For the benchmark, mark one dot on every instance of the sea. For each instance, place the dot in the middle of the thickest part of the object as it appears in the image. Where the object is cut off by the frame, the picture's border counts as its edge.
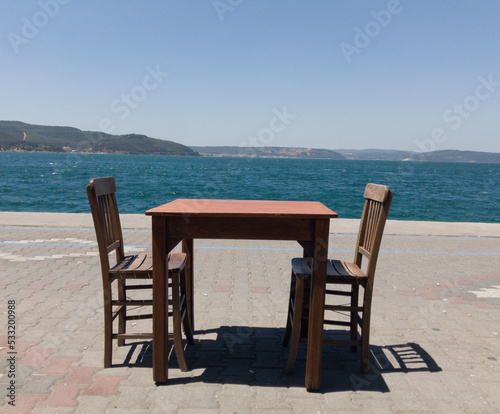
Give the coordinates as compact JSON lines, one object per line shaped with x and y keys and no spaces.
{"x":423,"y":191}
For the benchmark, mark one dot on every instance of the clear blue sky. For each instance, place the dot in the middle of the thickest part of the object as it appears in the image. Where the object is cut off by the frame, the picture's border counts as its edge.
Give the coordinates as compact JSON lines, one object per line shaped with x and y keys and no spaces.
{"x":410,"y":75}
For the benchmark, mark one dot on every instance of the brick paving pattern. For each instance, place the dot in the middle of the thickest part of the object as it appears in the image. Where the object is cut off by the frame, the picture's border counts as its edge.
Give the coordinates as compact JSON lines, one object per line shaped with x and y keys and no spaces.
{"x":435,"y":329}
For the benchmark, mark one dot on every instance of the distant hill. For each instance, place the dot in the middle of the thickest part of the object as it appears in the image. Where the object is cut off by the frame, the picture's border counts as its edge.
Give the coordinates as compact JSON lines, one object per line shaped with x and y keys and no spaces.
{"x":349,"y":154}
{"x":274,"y":152}
{"x":375,"y":154}
{"x":19,"y":136}
{"x":436,"y":156}
{"x":457,"y":156}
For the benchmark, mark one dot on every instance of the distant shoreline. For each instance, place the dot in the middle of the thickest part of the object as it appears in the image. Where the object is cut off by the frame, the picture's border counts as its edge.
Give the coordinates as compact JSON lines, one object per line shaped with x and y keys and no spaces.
{"x":72,"y":152}
{"x":16,"y":136}
{"x":346,"y":154}
{"x":422,"y":157}
{"x":345,"y":159}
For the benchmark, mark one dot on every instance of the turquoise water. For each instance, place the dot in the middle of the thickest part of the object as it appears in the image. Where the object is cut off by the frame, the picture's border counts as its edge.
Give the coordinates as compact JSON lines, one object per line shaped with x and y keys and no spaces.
{"x":46,"y":182}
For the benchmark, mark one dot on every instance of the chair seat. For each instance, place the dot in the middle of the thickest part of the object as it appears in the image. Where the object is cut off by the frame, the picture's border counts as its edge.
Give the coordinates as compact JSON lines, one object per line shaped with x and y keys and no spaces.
{"x":141,"y":265}
{"x":337,"y":271}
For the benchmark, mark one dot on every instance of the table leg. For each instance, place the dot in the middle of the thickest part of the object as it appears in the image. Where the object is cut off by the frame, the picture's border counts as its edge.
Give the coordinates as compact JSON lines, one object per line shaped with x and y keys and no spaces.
{"x":187,"y":247}
{"x":160,"y":300}
{"x":304,"y":326}
{"x":317,"y":304}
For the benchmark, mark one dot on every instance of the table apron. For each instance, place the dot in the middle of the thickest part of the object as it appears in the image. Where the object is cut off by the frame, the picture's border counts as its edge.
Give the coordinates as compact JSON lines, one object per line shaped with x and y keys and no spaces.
{"x":251,"y":228}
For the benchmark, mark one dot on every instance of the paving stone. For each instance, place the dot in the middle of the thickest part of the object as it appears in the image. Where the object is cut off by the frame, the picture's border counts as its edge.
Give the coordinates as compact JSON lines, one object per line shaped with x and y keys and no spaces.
{"x":23,"y":404}
{"x":231,"y":405}
{"x":53,"y":410}
{"x":39,"y":384}
{"x":81,"y":375}
{"x":104,"y":385}
{"x":93,"y":404}
{"x":63,"y":396}
{"x":133,"y":397}
{"x":271,"y":398}
{"x":57,"y":366}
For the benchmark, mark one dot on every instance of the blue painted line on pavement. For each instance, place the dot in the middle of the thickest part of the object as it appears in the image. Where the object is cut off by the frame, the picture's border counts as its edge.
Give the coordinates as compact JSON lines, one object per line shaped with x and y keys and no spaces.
{"x":331,"y":235}
{"x":254,"y":248}
{"x":425,"y":252}
{"x":44,"y":228}
{"x":47,"y":244}
{"x":66,"y":229}
{"x":348,"y":251}
{"x":61,"y":244}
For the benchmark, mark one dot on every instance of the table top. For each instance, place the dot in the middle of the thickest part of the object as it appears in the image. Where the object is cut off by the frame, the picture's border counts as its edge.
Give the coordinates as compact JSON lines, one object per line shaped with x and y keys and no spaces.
{"x":243,"y":208}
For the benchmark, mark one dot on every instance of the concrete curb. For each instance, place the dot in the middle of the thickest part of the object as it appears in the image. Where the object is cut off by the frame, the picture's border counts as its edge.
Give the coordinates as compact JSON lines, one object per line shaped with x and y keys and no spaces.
{"x":337,"y":226}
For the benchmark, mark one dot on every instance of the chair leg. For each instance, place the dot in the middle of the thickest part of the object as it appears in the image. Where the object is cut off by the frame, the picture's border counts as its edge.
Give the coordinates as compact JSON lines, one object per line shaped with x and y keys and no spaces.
{"x":365,"y":339}
{"x":289,"y":315}
{"x":186,"y":323}
{"x":365,"y":354}
{"x":108,"y":329}
{"x":187,"y":247}
{"x":176,"y":317}
{"x":354,"y":321}
{"x":108,"y":349}
{"x":122,"y":316}
{"x":296,"y":324}
{"x":184,"y":306}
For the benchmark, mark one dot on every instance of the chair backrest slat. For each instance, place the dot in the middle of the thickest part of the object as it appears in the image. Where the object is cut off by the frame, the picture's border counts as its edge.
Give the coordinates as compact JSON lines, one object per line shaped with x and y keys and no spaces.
{"x":378,"y":199}
{"x":107,"y":214}
{"x":102,"y":200}
{"x":374,"y":210}
{"x":103,"y":186}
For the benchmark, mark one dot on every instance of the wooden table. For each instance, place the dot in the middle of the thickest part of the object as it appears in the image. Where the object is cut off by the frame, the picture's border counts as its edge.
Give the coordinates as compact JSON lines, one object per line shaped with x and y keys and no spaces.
{"x":183,"y":220}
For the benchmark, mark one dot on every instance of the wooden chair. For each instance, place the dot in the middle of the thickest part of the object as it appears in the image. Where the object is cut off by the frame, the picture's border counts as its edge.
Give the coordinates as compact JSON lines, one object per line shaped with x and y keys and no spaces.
{"x":356,"y":315}
{"x":101,"y":195}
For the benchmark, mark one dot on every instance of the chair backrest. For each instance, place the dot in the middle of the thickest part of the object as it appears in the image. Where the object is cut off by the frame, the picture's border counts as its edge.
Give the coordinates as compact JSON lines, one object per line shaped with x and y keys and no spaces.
{"x":377,"y":203}
{"x":102,"y":200}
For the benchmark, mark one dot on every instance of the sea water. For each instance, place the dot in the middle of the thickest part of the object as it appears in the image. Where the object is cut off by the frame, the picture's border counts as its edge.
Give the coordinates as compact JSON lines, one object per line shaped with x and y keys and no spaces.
{"x":55,"y":182}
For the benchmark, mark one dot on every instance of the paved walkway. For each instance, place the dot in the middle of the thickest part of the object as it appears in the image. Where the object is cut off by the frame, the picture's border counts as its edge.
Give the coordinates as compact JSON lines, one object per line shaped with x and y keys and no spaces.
{"x":435,"y":330}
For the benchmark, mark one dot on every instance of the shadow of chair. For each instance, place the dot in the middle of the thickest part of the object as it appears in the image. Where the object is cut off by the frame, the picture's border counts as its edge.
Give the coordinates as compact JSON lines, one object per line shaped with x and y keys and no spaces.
{"x":400,"y":358}
{"x":253,"y":356}
{"x":355,"y":316}
{"x":129,"y":274}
